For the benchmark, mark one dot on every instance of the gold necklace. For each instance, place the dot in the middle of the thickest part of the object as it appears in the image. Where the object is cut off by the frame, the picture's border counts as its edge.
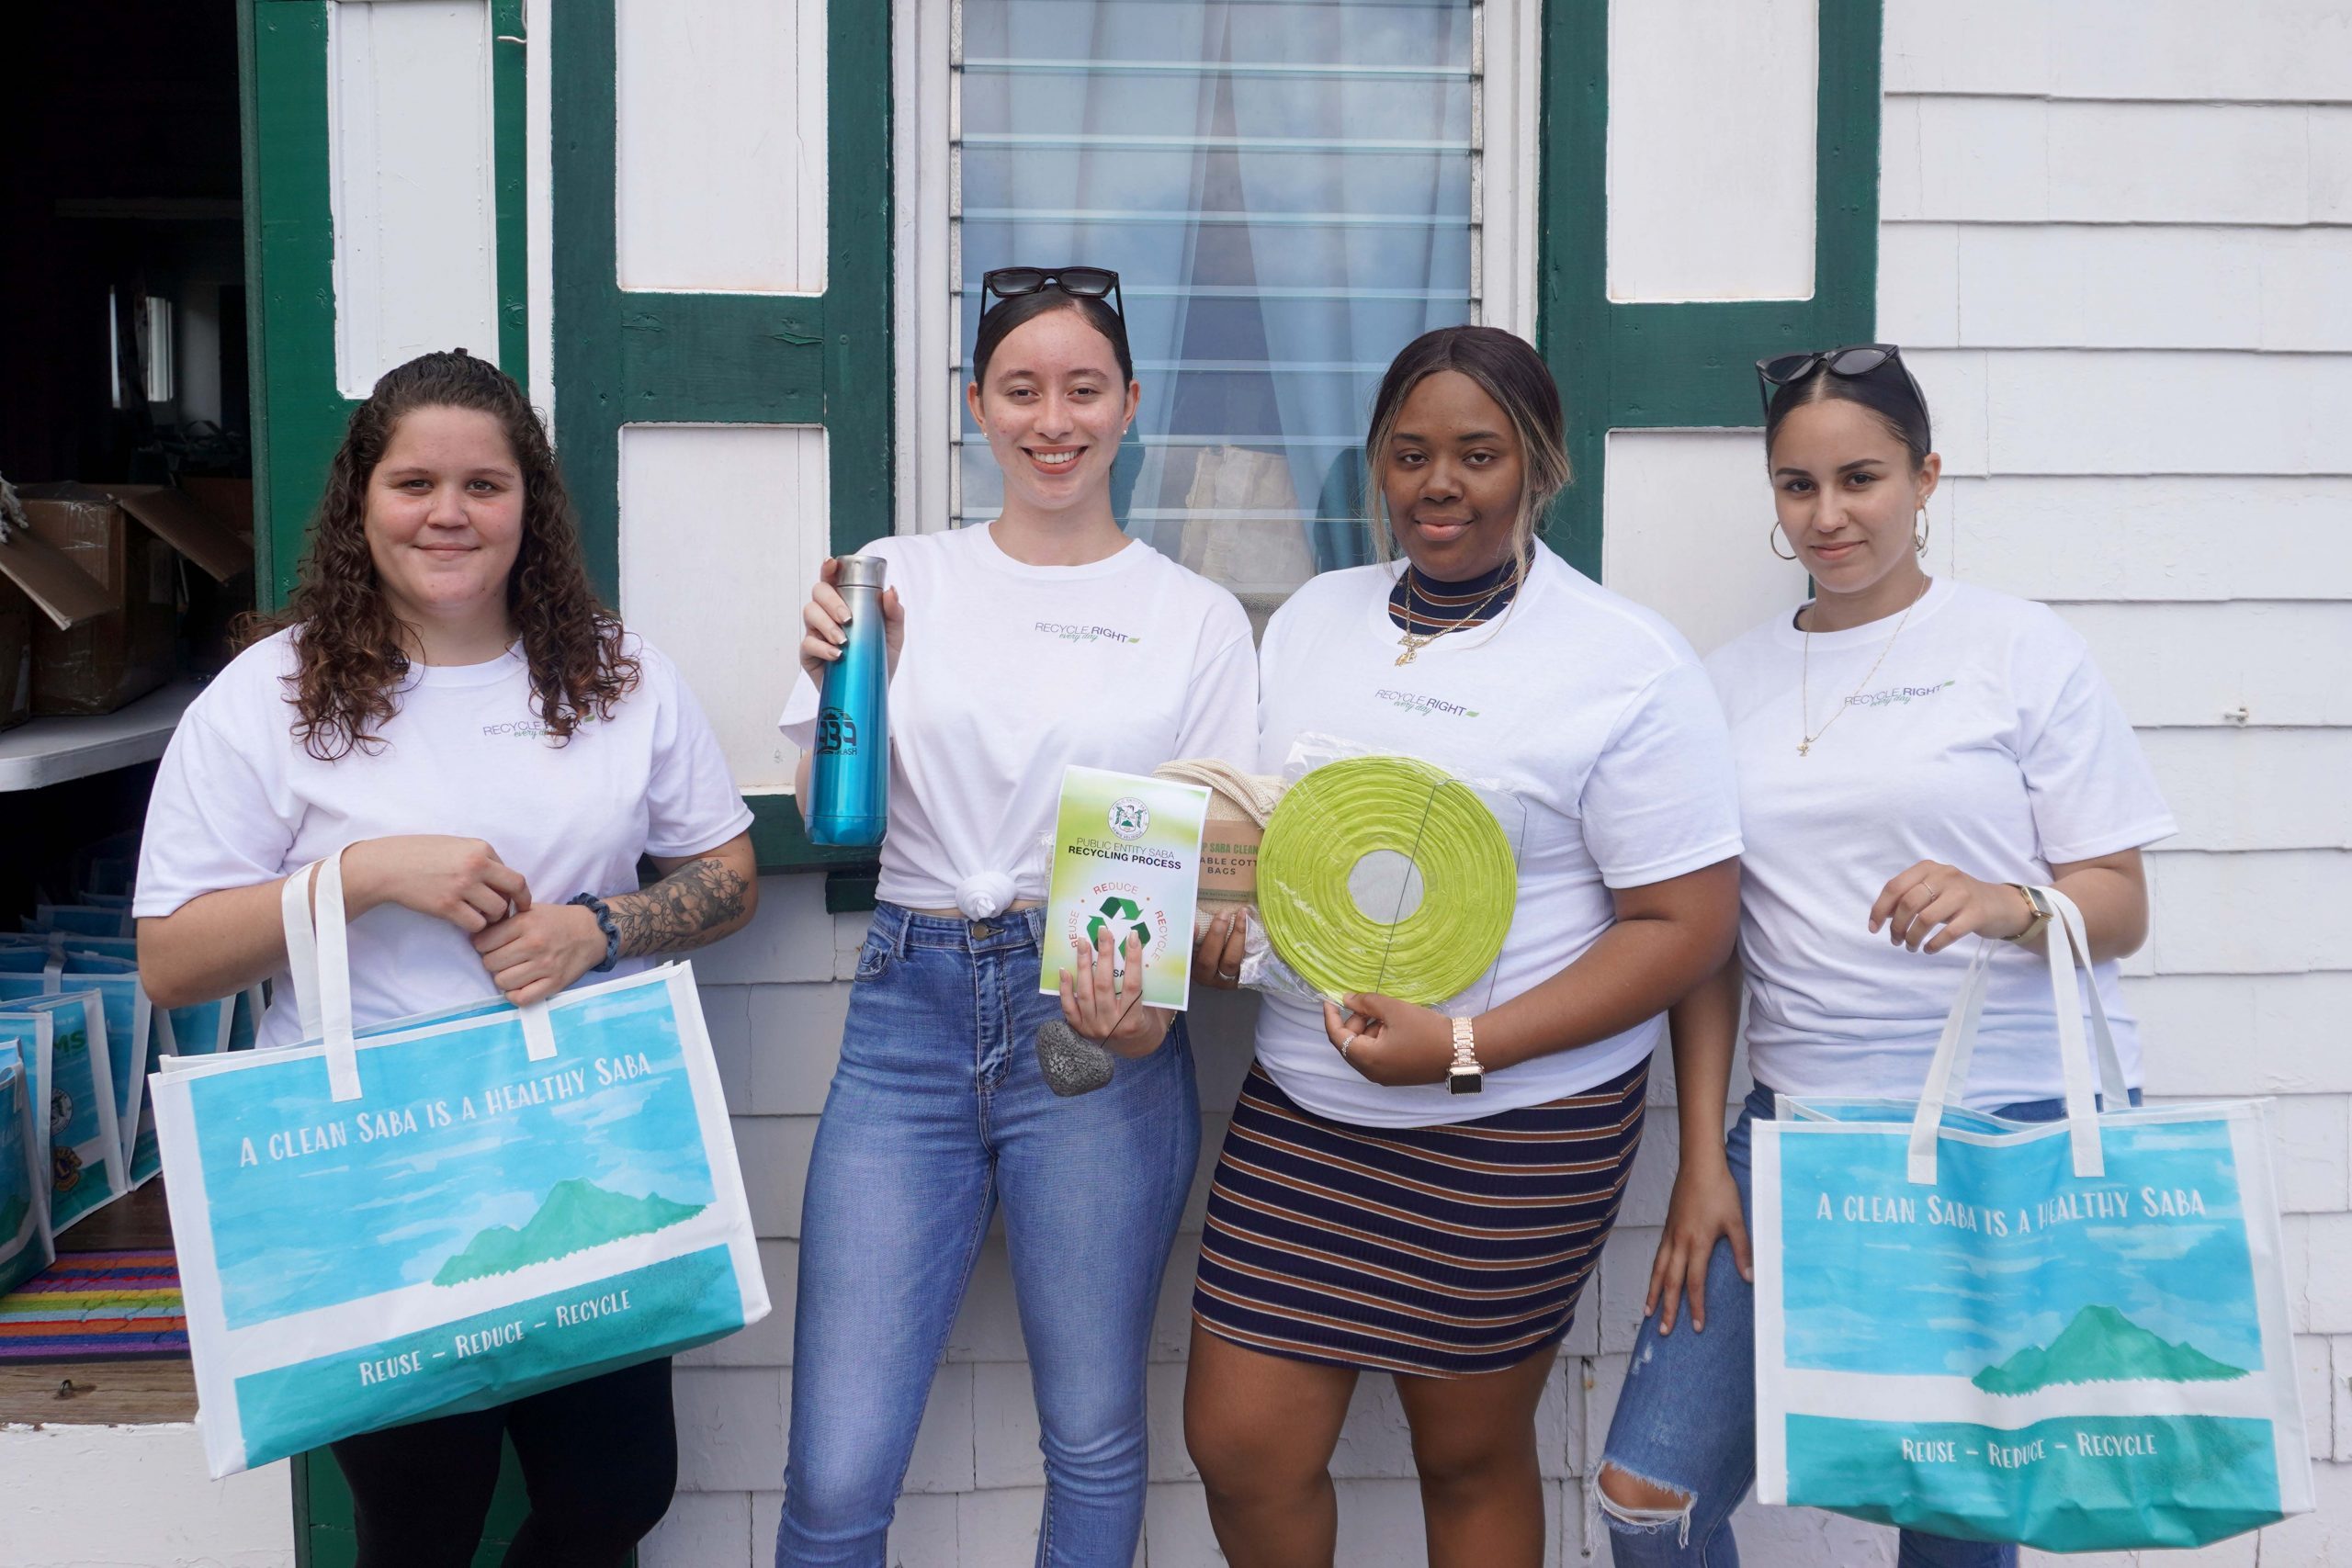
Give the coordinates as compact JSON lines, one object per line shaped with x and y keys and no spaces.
{"x":1412,"y":642}
{"x":1804,"y":678}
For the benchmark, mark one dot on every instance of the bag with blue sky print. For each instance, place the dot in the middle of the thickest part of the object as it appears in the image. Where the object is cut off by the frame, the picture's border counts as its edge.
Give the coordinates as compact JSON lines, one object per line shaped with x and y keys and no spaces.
{"x":449,"y":1212}
{"x":26,"y":1246}
{"x":136,"y":1034}
{"x":2071,"y":1334}
{"x":88,"y":1165}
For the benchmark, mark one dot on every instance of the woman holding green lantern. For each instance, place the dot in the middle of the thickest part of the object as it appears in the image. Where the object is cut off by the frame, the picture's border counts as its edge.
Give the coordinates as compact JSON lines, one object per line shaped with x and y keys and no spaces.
{"x":1424,"y":1191}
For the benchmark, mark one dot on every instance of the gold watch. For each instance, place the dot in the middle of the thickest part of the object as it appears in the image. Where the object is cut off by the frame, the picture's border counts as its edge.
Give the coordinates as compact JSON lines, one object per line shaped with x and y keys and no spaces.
{"x":2043,"y":914}
{"x":1464,"y":1076}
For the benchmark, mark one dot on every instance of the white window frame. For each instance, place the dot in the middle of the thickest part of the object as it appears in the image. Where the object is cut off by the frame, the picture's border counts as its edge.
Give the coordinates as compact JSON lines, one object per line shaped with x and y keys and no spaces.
{"x":1509,"y":53}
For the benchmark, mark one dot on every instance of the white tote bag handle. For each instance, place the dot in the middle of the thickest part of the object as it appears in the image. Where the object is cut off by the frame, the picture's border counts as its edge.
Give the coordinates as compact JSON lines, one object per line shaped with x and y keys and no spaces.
{"x":1948,"y":1069}
{"x":318,"y":954}
{"x":2070,"y":940}
{"x":1948,"y":1072}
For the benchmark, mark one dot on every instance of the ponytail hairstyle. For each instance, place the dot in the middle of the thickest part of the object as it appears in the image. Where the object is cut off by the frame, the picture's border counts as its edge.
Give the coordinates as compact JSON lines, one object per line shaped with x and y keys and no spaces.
{"x":350,"y":649}
{"x":1508,"y":369}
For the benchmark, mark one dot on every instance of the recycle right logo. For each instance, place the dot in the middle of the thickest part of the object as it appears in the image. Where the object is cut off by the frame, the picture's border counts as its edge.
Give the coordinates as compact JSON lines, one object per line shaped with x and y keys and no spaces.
{"x":1117,"y":910}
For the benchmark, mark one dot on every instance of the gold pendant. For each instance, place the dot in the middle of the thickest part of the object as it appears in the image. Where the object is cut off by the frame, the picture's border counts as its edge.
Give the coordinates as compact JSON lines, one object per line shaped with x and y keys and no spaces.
{"x":1407,"y":657}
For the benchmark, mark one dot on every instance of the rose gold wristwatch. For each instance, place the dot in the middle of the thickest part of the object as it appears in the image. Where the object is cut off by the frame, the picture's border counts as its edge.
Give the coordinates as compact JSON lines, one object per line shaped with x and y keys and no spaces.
{"x":1464,"y":1076}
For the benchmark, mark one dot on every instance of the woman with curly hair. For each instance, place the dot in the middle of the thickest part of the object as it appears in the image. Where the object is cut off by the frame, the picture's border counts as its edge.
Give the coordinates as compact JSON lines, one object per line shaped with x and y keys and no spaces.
{"x":444,"y":701}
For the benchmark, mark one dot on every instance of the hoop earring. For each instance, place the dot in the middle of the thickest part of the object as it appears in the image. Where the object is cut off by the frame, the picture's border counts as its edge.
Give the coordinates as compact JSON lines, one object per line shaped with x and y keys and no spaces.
{"x":1770,"y":534}
{"x":1919,"y":535}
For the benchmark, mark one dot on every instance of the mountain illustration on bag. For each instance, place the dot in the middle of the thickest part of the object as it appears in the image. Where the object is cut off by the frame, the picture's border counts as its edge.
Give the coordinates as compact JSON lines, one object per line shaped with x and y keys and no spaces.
{"x":2103,"y":1346}
{"x":577,"y":1216}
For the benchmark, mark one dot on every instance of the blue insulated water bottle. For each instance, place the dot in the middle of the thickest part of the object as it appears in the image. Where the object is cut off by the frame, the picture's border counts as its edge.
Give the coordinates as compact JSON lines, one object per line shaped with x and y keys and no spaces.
{"x":849,"y":778}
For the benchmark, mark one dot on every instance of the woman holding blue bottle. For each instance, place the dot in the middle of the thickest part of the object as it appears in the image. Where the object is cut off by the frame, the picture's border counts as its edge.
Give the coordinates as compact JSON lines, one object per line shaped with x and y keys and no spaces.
{"x":1045,"y":638}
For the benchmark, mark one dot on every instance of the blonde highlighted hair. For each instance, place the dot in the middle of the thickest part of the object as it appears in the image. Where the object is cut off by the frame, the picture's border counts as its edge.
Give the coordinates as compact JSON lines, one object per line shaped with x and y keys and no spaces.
{"x":1508,"y":369}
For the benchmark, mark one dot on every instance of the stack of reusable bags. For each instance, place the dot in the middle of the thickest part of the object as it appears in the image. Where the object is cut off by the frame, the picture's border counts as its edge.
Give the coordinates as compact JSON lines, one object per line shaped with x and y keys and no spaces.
{"x":27,"y":1245}
{"x":70,"y":994}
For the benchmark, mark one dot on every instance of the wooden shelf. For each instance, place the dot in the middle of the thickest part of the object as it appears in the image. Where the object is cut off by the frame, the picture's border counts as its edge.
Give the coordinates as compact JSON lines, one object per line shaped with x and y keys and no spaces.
{"x":52,"y":751}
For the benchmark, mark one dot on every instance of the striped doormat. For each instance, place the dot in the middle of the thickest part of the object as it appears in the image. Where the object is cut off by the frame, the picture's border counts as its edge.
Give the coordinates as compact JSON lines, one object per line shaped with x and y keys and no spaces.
{"x":97,"y":1306}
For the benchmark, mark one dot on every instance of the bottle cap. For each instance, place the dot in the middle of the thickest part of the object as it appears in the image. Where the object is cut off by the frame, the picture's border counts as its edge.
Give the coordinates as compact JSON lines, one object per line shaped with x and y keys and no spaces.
{"x":861,"y":572}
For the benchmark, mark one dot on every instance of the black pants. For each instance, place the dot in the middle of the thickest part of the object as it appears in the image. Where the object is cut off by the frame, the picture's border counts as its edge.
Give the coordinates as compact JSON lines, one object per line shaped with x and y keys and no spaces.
{"x":599,"y":1459}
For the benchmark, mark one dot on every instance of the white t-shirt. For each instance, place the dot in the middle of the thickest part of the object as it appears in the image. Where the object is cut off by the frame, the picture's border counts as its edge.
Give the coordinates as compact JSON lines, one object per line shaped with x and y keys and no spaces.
{"x":1589,"y":710}
{"x":1011,"y":672}
{"x":1988,"y":740}
{"x":238,"y":801}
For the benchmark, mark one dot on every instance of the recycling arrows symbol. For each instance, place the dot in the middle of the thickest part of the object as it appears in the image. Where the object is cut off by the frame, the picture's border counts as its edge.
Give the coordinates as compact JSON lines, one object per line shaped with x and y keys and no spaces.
{"x":1118,"y":909}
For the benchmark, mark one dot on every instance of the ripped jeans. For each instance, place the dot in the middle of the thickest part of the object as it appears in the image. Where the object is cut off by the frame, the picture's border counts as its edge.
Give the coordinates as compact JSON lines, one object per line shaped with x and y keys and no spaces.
{"x":1686,"y":1420}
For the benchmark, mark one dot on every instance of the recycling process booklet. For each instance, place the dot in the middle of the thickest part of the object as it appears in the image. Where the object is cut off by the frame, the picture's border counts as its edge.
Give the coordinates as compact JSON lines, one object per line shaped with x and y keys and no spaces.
{"x":1126,"y":857}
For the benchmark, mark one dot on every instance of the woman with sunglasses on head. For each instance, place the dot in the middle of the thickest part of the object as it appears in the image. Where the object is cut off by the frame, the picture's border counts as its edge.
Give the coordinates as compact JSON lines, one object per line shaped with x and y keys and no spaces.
{"x":1045,"y":638}
{"x":1405,"y":1192}
{"x":1914,"y":754}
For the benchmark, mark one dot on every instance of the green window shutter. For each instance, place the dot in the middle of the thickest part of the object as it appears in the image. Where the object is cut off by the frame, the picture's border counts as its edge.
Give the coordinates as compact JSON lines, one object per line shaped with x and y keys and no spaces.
{"x":651,"y":357}
{"x":300,"y":412}
{"x":1629,"y":366}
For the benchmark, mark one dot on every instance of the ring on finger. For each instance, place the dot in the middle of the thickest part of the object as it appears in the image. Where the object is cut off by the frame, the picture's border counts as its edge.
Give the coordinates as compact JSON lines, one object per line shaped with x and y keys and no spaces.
{"x":1346,"y":1041}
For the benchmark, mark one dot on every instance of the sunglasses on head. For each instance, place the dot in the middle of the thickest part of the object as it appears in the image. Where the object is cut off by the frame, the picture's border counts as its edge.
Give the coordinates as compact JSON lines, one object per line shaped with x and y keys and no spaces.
{"x":1854,"y":360}
{"x":1078,"y":282}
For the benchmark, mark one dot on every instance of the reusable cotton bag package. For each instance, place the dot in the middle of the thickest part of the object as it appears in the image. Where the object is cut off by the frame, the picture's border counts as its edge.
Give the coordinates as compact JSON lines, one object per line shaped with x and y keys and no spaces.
{"x":228,"y":1024}
{"x":449,"y":1212}
{"x":30,"y":1038}
{"x":26,"y":1245}
{"x":2071,"y":1334}
{"x":135,"y":1034}
{"x":89,"y":1166}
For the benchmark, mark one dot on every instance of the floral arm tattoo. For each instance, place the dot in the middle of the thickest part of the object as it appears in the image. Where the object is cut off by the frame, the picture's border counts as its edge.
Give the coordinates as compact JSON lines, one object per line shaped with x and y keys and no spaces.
{"x":679,"y":911}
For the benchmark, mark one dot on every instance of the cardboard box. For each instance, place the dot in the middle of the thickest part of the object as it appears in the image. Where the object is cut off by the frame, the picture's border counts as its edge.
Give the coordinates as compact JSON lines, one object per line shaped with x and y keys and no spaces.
{"x":16,"y":615}
{"x":48,"y":580}
{"x":40,"y":589}
{"x":230,"y":501}
{"x":188,"y":526}
{"x":215,"y":604}
{"x":128,"y":540}
{"x":210,"y":522}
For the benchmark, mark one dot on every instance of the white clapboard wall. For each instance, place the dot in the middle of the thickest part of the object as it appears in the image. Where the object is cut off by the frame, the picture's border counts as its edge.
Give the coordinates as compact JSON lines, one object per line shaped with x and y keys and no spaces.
{"x":2117,"y":242}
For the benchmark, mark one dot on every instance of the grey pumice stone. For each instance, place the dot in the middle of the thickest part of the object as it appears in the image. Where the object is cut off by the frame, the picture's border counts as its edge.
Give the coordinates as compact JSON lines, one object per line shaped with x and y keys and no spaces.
{"x":1072,"y":1063}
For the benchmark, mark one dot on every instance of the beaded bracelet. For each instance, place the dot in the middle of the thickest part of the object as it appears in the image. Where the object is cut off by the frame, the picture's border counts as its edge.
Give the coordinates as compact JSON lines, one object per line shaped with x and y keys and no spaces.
{"x":595,"y":907}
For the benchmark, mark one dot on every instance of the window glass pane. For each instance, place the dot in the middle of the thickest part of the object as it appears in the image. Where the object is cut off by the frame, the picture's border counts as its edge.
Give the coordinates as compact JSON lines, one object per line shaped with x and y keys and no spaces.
{"x":1285,"y":188}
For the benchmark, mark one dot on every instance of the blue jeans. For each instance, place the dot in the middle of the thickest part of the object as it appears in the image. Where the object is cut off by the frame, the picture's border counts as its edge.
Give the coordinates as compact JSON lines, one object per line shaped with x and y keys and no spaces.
{"x":937,"y":1111}
{"x":1686,"y":1420}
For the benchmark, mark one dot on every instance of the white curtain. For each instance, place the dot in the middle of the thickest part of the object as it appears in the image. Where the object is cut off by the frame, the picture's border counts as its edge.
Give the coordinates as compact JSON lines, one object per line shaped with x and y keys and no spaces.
{"x":1285,"y":186}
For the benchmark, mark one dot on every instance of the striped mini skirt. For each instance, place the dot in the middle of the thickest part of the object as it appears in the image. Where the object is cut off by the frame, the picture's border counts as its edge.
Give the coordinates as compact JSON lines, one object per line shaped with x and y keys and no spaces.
{"x":1445,"y":1251}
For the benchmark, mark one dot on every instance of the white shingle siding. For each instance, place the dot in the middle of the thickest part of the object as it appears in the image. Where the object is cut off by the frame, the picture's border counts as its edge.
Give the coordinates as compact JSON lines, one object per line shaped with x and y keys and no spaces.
{"x":2141,"y":50}
{"x":2119,"y":232}
{"x":2118,"y":241}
